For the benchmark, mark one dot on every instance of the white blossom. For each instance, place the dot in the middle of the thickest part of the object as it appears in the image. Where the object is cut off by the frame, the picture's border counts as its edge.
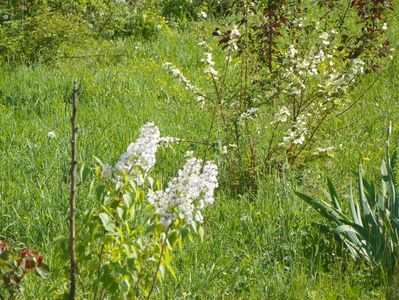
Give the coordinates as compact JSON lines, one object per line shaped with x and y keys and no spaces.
{"x":176,"y":73}
{"x":358,"y":66}
{"x":211,"y":71}
{"x":186,"y":194}
{"x":199,"y":99}
{"x":292,"y":51}
{"x":251,"y":112}
{"x":209,"y":63}
{"x":139,"y":157}
{"x":107,"y":171}
{"x":384,"y":27}
{"x":281,"y":116}
{"x":208,"y":59}
{"x":297,"y":133}
{"x":329,"y":151}
{"x":168,"y":140}
{"x":234,"y":37}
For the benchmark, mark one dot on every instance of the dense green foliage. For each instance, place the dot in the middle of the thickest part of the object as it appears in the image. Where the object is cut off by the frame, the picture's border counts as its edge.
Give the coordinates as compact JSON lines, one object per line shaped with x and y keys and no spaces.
{"x":261,"y":243}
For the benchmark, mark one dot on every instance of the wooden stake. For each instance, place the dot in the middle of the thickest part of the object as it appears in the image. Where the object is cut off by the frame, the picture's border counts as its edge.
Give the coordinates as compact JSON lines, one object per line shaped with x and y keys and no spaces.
{"x":72,"y":199}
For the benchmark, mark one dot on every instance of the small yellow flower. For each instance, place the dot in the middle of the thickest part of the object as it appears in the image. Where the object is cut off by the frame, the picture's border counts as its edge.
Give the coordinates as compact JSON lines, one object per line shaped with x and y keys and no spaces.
{"x":366,"y":158}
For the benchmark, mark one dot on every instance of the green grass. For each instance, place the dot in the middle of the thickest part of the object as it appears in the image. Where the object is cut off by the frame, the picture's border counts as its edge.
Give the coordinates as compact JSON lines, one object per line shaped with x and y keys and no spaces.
{"x":263,"y":246}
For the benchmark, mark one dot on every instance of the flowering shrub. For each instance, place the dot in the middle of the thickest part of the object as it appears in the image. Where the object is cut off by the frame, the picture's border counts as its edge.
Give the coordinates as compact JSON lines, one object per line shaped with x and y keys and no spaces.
{"x":296,"y":71}
{"x":13,"y":269}
{"x":304,"y":62}
{"x":130,"y":240}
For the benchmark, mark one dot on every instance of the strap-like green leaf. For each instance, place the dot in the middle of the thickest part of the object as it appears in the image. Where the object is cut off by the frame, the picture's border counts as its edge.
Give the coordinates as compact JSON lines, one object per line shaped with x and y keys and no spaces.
{"x":368,"y":215}
{"x":323,"y":208}
{"x":333,"y":195}
{"x":355,"y":212}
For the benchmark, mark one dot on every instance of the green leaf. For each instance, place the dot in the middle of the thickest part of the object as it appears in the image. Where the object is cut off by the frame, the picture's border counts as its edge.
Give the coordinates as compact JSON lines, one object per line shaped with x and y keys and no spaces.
{"x":333,"y":195}
{"x":100,"y":192}
{"x":161,"y":273}
{"x":98,"y":160}
{"x":127,"y":199}
{"x":201,"y":232}
{"x":172,"y":238}
{"x":119,"y":211}
{"x":367,"y":212}
{"x":324,"y":209}
{"x":184,"y":232}
{"x":125,"y":286}
{"x":84,"y":173}
{"x":354,"y":208}
{"x":43,"y":271}
{"x":107,"y":223}
{"x":171,"y":271}
{"x":344,"y":229}
{"x":4,"y":255}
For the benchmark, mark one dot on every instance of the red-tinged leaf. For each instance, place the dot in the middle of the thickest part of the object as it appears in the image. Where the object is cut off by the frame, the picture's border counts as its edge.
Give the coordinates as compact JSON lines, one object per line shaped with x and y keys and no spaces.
{"x":40,"y":260}
{"x":3,"y":245}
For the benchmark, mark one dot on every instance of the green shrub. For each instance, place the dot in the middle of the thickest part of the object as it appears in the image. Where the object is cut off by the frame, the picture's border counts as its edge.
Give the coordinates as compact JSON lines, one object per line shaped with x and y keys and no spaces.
{"x":39,"y":37}
{"x":47,"y":30}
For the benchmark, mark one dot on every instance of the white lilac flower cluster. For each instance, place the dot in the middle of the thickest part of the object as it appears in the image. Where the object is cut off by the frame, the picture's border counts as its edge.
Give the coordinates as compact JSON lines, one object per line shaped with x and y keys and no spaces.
{"x":187,"y":194}
{"x":176,"y":73}
{"x":139,"y":157}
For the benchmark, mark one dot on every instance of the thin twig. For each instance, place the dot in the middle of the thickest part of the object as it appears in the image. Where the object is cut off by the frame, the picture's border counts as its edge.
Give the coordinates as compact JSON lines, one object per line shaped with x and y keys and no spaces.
{"x":72,"y":199}
{"x":360,"y":97}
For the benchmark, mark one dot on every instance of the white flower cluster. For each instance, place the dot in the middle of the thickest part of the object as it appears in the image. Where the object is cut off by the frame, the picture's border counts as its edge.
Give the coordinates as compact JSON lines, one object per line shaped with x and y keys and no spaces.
{"x":324,"y":38}
{"x":329,"y":151}
{"x":312,"y":81}
{"x":176,"y":73}
{"x":250,"y":113}
{"x":297,"y":134}
{"x":234,"y":37}
{"x":208,"y":60}
{"x":187,"y":194}
{"x":139,"y":157}
{"x":281,"y":116}
{"x":169,"y":140}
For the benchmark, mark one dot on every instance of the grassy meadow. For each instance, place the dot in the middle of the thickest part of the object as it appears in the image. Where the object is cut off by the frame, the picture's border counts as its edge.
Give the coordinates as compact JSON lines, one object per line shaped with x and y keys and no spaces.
{"x":263,"y":245}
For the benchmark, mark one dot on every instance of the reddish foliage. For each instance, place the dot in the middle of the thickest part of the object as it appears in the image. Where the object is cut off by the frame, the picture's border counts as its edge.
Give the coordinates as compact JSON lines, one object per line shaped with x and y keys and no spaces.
{"x":30,"y":263}
{"x":25,"y":253}
{"x":3,"y":245}
{"x":40,"y":260}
